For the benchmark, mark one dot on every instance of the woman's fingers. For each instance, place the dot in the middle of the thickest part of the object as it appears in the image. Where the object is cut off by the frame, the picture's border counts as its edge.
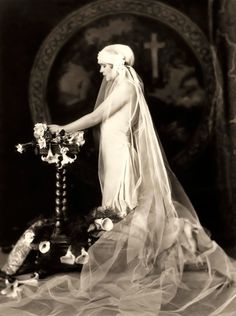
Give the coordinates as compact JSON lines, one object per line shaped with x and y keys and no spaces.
{"x":54,"y":128}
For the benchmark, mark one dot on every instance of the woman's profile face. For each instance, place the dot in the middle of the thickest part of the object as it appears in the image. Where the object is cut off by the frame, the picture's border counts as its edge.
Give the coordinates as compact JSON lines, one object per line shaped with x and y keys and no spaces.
{"x":108,"y":72}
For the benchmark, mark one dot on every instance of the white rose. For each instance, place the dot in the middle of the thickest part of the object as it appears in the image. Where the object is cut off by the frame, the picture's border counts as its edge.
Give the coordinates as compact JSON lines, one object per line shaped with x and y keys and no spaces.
{"x":39,"y":130}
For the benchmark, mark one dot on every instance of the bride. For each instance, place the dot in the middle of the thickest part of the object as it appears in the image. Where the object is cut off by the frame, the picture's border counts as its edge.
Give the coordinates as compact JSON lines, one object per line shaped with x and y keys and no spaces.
{"x":157,"y":260}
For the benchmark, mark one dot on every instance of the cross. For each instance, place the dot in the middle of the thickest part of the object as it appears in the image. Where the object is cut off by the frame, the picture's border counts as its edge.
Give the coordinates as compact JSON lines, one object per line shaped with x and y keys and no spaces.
{"x":154,"y":46}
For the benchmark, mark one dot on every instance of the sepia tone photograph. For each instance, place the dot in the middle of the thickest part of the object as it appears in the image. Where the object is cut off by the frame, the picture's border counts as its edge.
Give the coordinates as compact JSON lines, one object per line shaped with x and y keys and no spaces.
{"x":117,"y":130}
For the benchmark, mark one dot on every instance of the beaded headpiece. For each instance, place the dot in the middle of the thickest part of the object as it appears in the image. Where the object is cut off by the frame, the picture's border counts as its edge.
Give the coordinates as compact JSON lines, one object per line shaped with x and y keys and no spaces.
{"x":117,"y":60}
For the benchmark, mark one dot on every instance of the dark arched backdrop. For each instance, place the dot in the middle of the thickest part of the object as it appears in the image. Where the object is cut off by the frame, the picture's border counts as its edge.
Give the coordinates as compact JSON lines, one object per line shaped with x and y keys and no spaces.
{"x":173,"y":57}
{"x":47,"y":45}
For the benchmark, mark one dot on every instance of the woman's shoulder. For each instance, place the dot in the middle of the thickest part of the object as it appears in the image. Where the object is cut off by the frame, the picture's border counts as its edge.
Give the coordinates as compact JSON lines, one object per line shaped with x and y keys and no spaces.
{"x":126,"y":86}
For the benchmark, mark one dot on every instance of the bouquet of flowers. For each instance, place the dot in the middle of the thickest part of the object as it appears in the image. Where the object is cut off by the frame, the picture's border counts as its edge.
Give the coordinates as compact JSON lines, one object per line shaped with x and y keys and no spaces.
{"x":59,"y":148}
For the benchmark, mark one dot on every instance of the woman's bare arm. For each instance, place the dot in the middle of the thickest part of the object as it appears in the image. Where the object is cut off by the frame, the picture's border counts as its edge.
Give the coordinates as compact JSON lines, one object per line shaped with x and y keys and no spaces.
{"x":115,"y":101}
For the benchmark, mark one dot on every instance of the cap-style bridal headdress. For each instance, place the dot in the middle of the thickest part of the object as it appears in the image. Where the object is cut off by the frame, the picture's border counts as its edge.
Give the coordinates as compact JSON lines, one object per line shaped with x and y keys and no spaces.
{"x":117,"y":55}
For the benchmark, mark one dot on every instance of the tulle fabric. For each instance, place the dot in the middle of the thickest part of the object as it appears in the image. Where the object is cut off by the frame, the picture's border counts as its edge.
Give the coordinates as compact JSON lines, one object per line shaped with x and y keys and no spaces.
{"x":157,"y":260}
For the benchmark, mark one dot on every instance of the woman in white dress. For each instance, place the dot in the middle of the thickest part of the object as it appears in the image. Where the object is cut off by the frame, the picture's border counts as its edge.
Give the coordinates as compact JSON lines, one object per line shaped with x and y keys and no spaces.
{"x":139,"y":267}
{"x":113,"y":111}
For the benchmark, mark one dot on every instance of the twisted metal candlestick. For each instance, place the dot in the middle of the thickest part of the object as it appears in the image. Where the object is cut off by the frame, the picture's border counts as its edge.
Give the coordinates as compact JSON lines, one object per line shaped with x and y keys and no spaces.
{"x":60,"y":203}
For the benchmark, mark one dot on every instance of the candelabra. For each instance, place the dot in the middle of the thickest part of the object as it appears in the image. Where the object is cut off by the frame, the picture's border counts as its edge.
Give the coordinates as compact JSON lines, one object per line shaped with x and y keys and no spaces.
{"x":59,"y":149}
{"x":49,"y":261}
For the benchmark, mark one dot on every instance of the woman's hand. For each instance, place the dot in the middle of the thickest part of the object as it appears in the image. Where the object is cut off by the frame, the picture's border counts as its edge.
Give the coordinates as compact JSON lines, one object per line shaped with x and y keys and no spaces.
{"x":55,"y":128}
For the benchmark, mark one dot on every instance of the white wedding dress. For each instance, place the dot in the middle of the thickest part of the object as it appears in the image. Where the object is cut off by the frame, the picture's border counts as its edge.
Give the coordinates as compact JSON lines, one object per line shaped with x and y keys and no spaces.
{"x":158,"y":260}
{"x":117,"y":163}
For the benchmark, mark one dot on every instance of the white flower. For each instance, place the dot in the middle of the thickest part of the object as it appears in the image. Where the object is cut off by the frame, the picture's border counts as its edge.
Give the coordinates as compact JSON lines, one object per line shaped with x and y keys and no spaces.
{"x":83,"y":258}
{"x":104,"y":223}
{"x":39,"y":130}
{"x":69,"y":258}
{"x":50,"y":158}
{"x":20,"y":148}
{"x":42,"y":142}
{"x":107,"y":224}
{"x":77,"y":138}
{"x":66,"y":159}
{"x":12,"y":290}
{"x":44,"y":246}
